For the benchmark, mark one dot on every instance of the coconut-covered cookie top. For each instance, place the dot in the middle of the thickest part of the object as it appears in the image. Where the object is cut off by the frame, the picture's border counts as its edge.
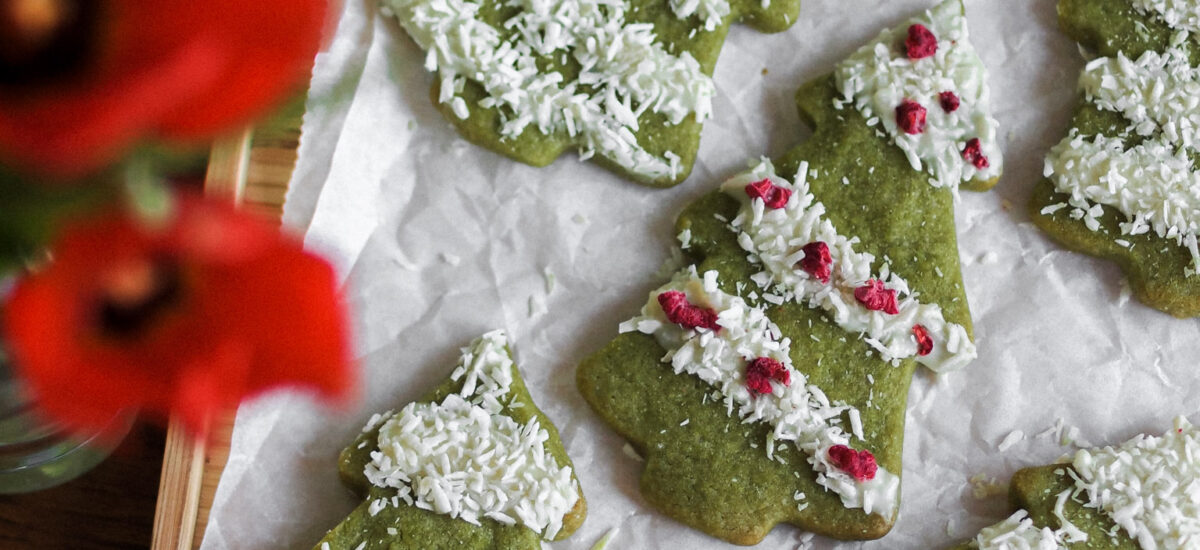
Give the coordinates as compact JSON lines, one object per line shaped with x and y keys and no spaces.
{"x":923,"y":83}
{"x":1178,"y":14}
{"x":465,"y":458}
{"x":1149,"y":487}
{"x":1145,"y":170}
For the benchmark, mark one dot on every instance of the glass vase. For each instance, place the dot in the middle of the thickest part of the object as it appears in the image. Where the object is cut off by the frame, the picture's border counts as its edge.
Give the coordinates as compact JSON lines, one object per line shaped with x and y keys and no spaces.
{"x":36,"y":455}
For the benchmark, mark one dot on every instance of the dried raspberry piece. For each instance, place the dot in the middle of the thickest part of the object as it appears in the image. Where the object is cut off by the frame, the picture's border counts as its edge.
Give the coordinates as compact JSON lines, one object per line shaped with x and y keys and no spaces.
{"x":974,"y":154}
{"x":679,"y":311}
{"x":924,"y":342}
{"x":875,"y":297}
{"x":773,"y":196}
{"x":910,"y":117}
{"x":761,"y":371}
{"x":921,"y":43}
{"x":817,"y":262}
{"x":859,"y":464}
{"x":949,"y":101}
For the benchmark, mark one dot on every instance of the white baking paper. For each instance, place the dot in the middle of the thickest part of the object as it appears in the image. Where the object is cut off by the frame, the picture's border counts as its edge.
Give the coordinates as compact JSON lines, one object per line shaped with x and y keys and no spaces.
{"x":440,"y":241}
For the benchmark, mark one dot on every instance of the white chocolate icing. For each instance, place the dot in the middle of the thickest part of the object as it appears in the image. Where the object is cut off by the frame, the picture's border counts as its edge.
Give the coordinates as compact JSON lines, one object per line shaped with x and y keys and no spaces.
{"x":464,"y":458}
{"x":1150,"y":486}
{"x":774,"y":238}
{"x":879,"y":76}
{"x":800,"y":412}
{"x":1183,"y":15}
{"x":625,"y":72}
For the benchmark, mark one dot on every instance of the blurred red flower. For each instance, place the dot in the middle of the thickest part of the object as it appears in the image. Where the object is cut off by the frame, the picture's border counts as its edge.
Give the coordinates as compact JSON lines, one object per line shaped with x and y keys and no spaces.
{"x":81,"y":80}
{"x":188,"y":317}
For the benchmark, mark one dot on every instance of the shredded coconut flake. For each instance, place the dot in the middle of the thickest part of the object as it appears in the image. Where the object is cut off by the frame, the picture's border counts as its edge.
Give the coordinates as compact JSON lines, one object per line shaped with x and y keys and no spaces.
{"x":464,"y":458}
{"x":1152,"y":183}
{"x":1150,"y":486}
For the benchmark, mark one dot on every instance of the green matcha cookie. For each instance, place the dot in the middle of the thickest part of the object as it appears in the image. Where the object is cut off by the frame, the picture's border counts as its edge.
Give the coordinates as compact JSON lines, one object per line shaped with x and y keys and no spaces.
{"x":1140,"y":495}
{"x":1121,"y":185}
{"x":472,"y":466}
{"x":767,"y":381}
{"x":629,"y":83}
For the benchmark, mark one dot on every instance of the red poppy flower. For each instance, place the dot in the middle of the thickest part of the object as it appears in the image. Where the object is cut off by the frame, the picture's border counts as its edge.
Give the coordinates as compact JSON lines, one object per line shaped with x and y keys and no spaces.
{"x":189,"y":317}
{"x":84,"y":80}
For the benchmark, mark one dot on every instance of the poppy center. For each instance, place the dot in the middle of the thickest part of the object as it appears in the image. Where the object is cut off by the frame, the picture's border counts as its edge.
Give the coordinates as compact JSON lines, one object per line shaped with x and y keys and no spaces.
{"x":43,"y":40}
{"x":135,"y":294}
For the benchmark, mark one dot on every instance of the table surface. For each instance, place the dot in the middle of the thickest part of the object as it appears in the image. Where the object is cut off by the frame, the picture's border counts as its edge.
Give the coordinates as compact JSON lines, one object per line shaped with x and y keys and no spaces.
{"x":112,"y":507}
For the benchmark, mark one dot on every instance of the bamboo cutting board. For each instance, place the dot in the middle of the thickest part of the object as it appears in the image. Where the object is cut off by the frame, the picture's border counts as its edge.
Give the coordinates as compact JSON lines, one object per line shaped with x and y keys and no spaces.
{"x":251,"y":168}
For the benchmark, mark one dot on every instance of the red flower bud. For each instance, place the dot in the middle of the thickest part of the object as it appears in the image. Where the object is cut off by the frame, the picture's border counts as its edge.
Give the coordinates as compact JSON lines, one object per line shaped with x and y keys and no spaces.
{"x":176,"y":69}
{"x":187,"y":318}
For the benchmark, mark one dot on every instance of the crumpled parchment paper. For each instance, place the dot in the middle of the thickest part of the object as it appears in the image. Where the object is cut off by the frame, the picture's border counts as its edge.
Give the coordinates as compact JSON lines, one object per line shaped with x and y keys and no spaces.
{"x":439,"y":241}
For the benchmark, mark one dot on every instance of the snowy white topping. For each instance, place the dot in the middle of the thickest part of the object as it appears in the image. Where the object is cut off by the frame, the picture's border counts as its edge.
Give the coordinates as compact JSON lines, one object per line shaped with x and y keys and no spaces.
{"x":712,"y":12}
{"x":1177,"y":14}
{"x":624,"y":74}
{"x":1016,"y":533}
{"x":1153,"y":184}
{"x":465,"y":458}
{"x":1157,"y":93}
{"x":800,"y":412}
{"x":775,"y":239}
{"x":880,"y":76}
{"x":1150,"y":486}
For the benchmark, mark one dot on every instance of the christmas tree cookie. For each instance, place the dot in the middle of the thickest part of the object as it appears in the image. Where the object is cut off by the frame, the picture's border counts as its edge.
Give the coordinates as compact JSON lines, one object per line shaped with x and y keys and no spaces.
{"x":474,"y":465}
{"x":627,"y":82}
{"x":766,"y":382}
{"x":1143,"y":494}
{"x":1122,"y":184}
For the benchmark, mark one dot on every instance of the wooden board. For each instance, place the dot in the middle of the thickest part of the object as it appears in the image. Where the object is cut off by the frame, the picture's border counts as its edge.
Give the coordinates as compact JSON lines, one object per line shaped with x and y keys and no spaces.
{"x":252,"y":168}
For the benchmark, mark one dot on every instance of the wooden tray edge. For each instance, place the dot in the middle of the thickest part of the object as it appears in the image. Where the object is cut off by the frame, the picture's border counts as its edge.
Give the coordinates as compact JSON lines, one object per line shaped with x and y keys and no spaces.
{"x":182,"y":479}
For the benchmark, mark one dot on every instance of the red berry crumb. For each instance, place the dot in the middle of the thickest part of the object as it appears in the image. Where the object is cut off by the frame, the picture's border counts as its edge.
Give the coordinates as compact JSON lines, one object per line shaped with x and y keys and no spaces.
{"x":859,"y":464}
{"x":949,"y":101}
{"x":910,"y":117}
{"x":817,"y":262}
{"x":921,"y":43}
{"x":679,"y":311}
{"x":761,"y":371}
{"x":773,"y":196}
{"x":875,"y":297}
{"x":924,"y":342}
{"x":974,"y":154}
